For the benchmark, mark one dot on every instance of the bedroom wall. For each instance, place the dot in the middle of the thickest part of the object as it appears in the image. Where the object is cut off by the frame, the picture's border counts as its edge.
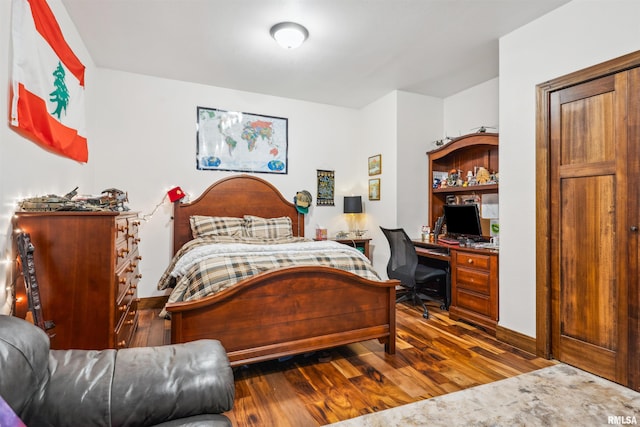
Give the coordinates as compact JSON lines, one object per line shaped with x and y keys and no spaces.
{"x":25,"y":168}
{"x":550,"y":47}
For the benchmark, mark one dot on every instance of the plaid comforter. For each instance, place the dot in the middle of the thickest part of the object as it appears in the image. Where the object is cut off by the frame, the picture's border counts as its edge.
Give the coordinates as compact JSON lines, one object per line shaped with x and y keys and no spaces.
{"x":205,"y":266}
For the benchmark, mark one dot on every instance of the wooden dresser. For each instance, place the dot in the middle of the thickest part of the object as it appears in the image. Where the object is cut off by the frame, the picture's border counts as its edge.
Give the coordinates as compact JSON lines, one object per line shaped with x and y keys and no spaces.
{"x":87,"y":267}
{"x":474,"y":287}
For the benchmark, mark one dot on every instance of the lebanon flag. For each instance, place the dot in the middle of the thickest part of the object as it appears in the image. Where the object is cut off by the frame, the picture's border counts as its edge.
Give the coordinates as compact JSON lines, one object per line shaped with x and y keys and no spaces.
{"x":47,"y":99}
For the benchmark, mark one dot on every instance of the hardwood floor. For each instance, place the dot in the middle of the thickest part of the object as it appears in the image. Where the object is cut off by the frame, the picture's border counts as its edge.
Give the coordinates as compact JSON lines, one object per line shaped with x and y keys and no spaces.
{"x":434,"y":357}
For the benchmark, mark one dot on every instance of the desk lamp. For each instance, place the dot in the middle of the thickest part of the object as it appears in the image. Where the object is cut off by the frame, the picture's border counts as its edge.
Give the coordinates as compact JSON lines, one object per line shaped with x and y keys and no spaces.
{"x":353,"y":207}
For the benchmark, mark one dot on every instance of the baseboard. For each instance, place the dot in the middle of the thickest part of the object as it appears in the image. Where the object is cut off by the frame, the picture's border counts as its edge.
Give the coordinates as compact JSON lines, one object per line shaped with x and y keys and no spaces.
{"x":151,"y":303}
{"x":516,"y":339}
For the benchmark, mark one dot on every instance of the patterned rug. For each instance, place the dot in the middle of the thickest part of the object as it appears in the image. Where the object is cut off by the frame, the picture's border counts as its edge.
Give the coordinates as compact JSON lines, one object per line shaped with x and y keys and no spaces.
{"x":556,"y":396}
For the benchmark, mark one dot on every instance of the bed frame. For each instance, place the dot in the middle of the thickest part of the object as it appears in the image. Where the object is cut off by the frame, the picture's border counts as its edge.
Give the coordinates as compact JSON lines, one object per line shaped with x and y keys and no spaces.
{"x":282,"y":312}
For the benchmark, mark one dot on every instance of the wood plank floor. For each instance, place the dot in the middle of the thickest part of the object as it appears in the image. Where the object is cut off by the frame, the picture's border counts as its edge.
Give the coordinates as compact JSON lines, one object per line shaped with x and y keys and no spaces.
{"x":434,"y":357}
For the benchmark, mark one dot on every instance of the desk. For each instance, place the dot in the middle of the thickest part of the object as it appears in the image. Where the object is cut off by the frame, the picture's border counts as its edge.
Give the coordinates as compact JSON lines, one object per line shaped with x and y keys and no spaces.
{"x":474,"y":281}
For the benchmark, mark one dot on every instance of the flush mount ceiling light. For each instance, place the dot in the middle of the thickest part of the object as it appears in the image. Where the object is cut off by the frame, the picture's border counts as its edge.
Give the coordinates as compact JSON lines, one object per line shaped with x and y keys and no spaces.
{"x":289,"y":35}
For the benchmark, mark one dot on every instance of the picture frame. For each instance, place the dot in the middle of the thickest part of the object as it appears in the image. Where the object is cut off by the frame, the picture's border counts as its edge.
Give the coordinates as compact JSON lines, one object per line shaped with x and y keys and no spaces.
{"x":241,"y":142}
{"x":326,"y":188}
{"x":374,"y":189}
{"x":375,"y":165}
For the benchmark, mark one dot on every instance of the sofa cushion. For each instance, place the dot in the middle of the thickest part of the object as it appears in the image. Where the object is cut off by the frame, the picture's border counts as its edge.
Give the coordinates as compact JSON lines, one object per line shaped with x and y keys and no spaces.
{"x":24,"y":362}
{"x":180,"y":380}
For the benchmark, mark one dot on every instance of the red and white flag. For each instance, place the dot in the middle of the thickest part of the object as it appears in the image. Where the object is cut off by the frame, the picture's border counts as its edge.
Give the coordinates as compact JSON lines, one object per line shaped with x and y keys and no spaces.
{"x":47,"y":99}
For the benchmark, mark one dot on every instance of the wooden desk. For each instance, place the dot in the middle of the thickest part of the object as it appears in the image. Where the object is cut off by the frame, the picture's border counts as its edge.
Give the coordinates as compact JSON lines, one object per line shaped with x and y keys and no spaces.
{"x":474,"y":281}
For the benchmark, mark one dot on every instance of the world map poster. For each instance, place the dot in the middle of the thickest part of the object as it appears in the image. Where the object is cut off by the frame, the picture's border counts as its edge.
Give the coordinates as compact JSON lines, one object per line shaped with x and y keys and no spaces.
{"x":243,"y":142}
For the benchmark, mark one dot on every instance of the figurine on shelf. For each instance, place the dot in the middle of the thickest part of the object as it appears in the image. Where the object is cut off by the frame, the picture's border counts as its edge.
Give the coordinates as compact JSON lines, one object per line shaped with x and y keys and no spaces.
{"x":483,"y":176}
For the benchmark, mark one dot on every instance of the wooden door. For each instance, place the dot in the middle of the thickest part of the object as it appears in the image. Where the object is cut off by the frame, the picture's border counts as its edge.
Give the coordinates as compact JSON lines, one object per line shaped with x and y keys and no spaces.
{"x":590,"y":229}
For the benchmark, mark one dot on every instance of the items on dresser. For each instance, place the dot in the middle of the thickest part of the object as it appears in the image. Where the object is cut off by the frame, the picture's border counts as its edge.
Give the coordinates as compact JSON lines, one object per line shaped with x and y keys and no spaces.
{"x":88,"y":272}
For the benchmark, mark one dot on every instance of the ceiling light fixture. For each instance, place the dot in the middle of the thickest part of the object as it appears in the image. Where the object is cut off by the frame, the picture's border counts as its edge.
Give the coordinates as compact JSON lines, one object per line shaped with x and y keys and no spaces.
{"x":289,"y":35}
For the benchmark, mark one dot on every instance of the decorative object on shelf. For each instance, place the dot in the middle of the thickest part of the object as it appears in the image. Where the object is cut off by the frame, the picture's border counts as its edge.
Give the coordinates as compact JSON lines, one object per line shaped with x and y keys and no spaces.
{"x":374,"y":189}
{"x":111,"y":199}
{"x":353,"y":207}
{"x":326,"y":188}
{"x":375,"y":165}
{"x":483,"y":129}
{"x":482,"y":176}
{"x":302,"y":201}
{"x":242,"y":142}
{"x":289,"y":35}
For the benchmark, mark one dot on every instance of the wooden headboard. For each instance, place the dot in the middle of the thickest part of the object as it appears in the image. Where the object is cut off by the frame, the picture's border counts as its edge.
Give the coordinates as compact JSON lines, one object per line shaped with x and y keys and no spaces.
{"x":235,"y":196}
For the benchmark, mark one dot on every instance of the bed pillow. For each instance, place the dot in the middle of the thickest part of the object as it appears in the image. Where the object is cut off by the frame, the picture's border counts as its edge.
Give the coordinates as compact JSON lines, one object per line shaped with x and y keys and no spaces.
{"x":275,"y":228}
{"x":202,"y":226}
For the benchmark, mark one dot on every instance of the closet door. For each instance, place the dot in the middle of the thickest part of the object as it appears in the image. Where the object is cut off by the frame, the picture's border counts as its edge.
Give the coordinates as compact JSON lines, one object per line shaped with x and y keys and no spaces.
{"x":590,"y":228}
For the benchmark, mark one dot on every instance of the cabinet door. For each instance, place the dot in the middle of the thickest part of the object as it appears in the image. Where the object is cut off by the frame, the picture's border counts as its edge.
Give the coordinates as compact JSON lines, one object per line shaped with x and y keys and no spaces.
{"x":589,"y":226}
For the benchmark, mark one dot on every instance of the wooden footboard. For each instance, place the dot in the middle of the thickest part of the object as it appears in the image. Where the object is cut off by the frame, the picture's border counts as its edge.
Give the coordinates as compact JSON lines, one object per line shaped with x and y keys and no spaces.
{"x":290,"y":311}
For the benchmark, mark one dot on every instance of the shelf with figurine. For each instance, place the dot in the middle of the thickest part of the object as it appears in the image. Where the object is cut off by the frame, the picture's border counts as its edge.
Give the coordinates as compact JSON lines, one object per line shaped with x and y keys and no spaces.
{"x":466,"y":165}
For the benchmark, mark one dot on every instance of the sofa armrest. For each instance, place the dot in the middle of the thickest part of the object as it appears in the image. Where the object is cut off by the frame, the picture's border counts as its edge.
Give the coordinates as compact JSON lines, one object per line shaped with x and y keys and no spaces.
{"x":157,"y":384}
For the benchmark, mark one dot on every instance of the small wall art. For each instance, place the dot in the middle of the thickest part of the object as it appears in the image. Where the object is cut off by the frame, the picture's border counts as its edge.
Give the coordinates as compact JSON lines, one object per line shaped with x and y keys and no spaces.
{"x":374,"y":189}
{"x":326,"y":187}
{"x":375,"y":165}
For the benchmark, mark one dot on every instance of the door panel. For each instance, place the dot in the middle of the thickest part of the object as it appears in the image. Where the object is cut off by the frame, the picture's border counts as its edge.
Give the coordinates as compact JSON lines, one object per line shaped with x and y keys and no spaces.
{"x":588,"y":194}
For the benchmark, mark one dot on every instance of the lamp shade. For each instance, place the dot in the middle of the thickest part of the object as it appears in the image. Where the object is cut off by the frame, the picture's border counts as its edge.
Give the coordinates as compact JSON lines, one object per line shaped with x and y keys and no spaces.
{"x":353,"y":204}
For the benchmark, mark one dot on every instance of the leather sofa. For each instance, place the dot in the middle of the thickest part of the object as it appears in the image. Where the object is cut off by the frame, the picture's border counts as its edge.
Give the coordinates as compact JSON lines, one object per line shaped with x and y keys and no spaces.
{"x":173,"y":385}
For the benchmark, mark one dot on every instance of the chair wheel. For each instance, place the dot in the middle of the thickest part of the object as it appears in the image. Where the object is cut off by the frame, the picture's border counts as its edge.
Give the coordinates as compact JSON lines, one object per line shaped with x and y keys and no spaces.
{"x":443,"y":307}
{"x":425,"y":315}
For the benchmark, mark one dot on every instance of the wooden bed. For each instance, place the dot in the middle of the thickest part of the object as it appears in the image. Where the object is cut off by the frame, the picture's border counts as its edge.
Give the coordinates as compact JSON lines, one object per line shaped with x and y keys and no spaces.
{"x":282,"y":312}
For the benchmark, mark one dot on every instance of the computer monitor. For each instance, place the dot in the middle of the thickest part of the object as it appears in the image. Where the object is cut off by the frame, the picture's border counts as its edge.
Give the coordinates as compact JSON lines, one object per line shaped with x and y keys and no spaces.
{"x":463,"y":221}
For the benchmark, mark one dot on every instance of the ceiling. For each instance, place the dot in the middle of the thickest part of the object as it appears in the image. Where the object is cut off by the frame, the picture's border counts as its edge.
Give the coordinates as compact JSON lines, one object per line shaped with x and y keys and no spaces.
{"x":357,"y":51}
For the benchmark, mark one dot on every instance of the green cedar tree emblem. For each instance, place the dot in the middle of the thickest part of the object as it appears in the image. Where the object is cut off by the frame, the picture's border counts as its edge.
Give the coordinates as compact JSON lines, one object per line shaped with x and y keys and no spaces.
{"x":61,"y":94}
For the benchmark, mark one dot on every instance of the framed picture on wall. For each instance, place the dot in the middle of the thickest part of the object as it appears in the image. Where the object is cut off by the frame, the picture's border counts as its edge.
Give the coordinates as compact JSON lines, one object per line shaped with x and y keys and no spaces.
{"x":242,"y":142}
{"x":375,"y":165}
{"x":374,"y":189}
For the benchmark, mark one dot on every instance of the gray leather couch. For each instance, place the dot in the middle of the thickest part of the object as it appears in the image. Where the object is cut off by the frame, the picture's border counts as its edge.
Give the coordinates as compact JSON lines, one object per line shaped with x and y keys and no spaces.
{"x":173,"y":385}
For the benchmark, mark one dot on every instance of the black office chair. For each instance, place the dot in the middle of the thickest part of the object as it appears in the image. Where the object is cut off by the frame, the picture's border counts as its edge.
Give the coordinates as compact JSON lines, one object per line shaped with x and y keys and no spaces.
{"x":422,"y":283}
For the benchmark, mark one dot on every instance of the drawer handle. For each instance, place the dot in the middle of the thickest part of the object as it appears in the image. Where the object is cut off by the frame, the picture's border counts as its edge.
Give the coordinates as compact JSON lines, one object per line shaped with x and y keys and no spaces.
{"x":136,"y":240}
{"x":134,"y":285}
{"x":121,"y":344}
{"x":123,"y":253}
{"x":139,"y":258}
{"x":123,"y":280}
{"x":131,"y":292}
{"x":135,"y":223}
{"x":122,"y":228}
{"x":122,"y":307}
{"x":129,"y":322}
{"x":470,"y":261}
{"x":138,"y":276}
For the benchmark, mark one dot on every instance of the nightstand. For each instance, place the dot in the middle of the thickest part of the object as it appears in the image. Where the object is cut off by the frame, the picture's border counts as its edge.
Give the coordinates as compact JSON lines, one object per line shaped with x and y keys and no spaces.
{"x":360,"y":243}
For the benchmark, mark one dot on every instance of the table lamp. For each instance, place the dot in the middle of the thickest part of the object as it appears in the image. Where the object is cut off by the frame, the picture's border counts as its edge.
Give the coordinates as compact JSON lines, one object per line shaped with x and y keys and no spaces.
{"x":352,"y":207}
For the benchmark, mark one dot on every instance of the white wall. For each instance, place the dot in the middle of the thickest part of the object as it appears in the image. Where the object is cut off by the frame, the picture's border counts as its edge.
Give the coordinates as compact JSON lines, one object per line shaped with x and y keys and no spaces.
{"x":379,"y":131}
{"x":469,"y":109}
{"x":575,"y":36}
{"x":420,"y":121}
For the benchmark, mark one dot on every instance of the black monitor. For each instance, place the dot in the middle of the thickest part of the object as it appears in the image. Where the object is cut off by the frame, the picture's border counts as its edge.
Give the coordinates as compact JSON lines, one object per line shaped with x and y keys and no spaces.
{"x":463,"y":221}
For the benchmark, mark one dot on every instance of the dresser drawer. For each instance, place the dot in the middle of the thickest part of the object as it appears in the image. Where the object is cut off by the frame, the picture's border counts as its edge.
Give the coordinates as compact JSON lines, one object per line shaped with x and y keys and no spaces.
{"x":472,"y":279}
{"x":473,"y":260}
{"x":477,"y":303}
{"x":125,"y":329}
{"x":122,"y":253}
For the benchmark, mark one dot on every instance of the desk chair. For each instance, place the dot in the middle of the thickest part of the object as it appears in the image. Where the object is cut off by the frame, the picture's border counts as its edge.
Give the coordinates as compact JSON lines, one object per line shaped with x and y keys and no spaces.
{"x":422,"y":283}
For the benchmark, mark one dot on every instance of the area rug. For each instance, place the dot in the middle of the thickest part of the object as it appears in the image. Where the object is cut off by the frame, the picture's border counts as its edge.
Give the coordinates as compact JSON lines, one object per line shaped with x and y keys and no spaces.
{"x":559,"y":395}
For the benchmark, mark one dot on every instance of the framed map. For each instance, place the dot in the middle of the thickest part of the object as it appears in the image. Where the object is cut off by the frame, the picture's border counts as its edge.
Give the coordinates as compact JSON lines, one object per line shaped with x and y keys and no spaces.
{"x":242,"y":142}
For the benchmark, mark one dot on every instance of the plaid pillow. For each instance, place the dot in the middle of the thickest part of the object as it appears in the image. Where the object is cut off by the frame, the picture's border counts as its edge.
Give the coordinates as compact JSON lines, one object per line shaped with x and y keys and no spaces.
{"x":216,"y":226}
{"x":274,"y":228}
